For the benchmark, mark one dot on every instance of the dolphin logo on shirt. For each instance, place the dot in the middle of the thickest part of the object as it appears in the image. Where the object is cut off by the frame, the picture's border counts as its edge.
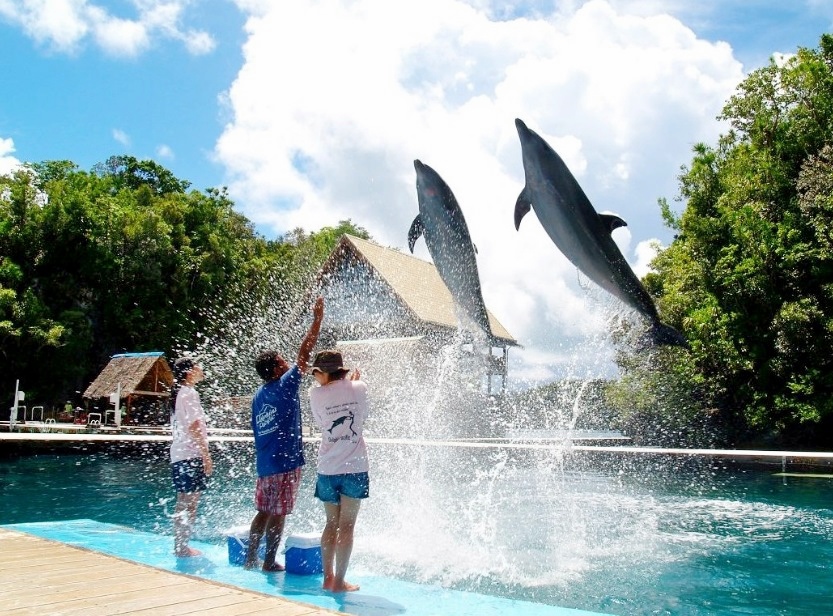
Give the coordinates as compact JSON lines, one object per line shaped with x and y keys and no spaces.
{"x":341,"y":420}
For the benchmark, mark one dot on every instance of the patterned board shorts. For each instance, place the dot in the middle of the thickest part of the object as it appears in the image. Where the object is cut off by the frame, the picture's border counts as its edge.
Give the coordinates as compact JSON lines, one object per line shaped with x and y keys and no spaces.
{"x":276,"y":494}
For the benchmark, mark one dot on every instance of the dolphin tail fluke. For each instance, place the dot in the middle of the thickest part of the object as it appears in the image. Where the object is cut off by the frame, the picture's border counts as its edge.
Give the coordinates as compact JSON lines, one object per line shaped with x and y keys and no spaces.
{"x":415,"y":232}
{"x":522,"y":207}
{"x":662,"y":334}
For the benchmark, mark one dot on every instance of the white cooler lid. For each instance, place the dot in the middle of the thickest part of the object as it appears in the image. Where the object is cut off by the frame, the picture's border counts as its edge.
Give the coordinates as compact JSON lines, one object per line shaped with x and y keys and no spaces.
{"x":303,"y":540}
{"x":241,"y":532}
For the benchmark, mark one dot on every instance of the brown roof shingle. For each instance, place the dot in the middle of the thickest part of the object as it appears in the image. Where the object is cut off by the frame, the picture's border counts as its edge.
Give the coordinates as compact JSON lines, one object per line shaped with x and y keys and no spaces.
{"x":417,"y":283}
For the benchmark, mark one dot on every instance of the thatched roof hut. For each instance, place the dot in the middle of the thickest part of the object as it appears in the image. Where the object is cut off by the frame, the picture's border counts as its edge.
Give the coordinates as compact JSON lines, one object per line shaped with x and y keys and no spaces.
{"x":144,"y":380}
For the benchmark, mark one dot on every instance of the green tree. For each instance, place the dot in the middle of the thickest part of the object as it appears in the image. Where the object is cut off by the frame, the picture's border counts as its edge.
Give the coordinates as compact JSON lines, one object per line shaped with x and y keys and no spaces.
{"x":123,"y":258}
{"x":749,"y":276}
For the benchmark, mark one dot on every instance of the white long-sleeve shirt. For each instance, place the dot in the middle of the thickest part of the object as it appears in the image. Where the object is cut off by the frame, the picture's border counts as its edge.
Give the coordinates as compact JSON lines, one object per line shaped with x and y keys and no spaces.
{"x":339,"y":409}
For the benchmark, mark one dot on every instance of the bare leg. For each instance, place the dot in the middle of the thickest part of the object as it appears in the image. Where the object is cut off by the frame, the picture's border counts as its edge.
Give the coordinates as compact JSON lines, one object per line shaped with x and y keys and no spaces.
{"x":185,"y":515}
{"x":342,"y":518}
{"x":271,"y":526}
{"x":328,"y":543}
{"x":256,"y":530}
{"x":274,"y":530}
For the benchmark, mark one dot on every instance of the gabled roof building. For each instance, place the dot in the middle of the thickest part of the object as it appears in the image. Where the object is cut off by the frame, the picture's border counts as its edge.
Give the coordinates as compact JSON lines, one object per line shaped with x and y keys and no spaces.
{"x":376,"y":296}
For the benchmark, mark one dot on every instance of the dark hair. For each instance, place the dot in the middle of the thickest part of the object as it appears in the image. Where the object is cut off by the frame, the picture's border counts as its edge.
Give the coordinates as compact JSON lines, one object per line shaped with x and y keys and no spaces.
{"x":266,"y":363}
{"x":181,"y":368}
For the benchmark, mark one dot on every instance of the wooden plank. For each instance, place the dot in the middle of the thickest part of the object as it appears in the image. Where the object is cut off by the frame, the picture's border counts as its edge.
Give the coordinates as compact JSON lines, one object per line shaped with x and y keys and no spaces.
{"x":64,"y":569}
{"x":89,"y":582}
{"x":38,"y":576}
{"x":223,"y":604}
{"x":116,"y":601}
{"x":227,"y":606}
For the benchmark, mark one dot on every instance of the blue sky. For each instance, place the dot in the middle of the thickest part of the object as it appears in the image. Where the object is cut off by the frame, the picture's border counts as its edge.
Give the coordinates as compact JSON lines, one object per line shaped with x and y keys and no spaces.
{"x":311,"y":112}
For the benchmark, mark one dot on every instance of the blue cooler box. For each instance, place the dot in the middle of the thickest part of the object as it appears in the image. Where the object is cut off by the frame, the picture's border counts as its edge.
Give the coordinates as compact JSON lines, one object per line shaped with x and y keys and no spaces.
{"x":303,"y":554}
{"x":238,"y":544}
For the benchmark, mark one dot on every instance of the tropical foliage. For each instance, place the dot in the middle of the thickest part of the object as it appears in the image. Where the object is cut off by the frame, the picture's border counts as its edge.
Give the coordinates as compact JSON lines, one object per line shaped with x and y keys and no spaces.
{"x":749,"y":276}
{"x":124,"y":258}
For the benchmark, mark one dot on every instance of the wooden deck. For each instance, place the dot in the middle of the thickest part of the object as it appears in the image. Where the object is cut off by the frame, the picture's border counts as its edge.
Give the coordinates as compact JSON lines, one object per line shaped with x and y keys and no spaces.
{"x":38,"y":577}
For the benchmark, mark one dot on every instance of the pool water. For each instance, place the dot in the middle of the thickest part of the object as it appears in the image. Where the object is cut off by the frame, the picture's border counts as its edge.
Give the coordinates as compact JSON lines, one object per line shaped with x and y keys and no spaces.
{"x":540,"y":527}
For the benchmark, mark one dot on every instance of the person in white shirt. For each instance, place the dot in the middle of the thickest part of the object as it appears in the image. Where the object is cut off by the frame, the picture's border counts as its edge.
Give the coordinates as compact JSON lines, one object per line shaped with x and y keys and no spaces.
{"x":191,"y":464}
{"x":339,"y":409}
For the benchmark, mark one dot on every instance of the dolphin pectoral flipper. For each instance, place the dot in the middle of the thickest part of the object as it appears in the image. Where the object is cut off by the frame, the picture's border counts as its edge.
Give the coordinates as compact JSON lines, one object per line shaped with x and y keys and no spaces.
{"x":414,"y":233}
{"x":522,"y":207}
{"x":612,"y":221}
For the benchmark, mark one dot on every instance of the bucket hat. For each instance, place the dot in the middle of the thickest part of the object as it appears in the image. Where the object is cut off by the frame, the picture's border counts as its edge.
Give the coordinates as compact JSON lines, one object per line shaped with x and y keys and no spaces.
{"x":328,"y":362}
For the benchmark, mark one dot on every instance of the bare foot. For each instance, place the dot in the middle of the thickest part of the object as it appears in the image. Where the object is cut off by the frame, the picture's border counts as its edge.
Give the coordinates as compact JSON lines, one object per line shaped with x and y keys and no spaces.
{"x":187,"y":553}
{"x":343,"y":587}
{"x":254,"y":564}
{"x":273,"y":568}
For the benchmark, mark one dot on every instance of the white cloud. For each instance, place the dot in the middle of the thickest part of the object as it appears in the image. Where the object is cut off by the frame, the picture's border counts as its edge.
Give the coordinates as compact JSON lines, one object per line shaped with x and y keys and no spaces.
{"x":64,"y":25}
{"x":8,"y":163}
{"x":165,"y":151}
{"x":336,"y":99}
{"x":119,"y":37}
{"x":645,"y":253}
{"x":121,"y":136}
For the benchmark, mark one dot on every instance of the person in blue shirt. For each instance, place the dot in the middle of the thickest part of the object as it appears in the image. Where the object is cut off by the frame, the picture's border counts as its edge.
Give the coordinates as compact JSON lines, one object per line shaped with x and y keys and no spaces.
{"x":276,"y":423}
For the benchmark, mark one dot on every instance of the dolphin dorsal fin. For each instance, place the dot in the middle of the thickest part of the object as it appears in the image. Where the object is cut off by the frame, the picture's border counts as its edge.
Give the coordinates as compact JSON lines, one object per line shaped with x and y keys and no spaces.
{"x":415,"y":232}
{"x":612,"y":221}
{"x":522,"y":207}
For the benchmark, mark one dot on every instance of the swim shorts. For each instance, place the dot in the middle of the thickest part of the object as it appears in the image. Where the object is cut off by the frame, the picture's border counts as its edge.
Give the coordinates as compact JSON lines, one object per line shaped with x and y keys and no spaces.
{"x":276,"y":494}
{"x":329,"y":488}
{"x":189,"y":475}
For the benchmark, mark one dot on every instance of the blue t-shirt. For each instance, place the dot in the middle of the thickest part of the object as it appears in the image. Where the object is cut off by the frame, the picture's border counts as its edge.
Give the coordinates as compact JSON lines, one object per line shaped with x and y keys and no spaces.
{"x":276,"y":423}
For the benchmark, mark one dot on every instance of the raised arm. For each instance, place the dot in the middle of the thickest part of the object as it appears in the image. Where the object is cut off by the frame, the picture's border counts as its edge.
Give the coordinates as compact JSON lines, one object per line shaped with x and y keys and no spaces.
{"x":308,"y":344}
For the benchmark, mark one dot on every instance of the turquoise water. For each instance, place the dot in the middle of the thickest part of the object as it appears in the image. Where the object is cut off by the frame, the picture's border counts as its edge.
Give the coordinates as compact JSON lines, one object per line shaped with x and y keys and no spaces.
{"x":530,"y":526}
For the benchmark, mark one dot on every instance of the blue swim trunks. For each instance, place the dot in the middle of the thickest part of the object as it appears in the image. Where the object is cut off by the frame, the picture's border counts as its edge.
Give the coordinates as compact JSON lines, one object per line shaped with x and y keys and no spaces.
{"x":189,"y":475}
{"x":329,"y":488}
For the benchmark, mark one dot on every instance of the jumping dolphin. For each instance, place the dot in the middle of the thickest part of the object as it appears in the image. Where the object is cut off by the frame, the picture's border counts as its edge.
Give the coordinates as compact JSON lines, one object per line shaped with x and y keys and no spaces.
{"x":580,"y":232}
{"x":441,"y":220}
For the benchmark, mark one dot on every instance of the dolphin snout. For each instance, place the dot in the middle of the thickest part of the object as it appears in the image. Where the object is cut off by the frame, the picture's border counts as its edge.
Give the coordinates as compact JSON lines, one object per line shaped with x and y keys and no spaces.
{"x":519,"y":124}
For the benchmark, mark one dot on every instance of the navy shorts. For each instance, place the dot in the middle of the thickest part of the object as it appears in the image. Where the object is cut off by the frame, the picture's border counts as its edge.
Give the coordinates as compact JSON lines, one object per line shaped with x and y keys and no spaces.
{"x":189,"y":476}
{"x":329,"y":488}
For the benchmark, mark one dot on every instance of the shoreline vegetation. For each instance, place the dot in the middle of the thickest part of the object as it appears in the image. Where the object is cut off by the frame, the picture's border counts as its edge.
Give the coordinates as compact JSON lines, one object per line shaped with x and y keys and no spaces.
{"x":126,"y":257}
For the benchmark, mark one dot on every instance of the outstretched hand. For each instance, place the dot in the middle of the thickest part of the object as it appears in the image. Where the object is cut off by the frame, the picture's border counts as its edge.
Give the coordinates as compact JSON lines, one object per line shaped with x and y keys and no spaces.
{"x":309,"y":341}
{"x":355,"y":374}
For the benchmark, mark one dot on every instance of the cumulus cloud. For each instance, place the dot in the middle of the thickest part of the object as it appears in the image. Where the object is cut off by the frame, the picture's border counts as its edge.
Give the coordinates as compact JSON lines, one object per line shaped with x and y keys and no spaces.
{"x":645,"y":252}
{"x":336,"y":99}
{"x":8,"y":163}
{"x":65,"y":25}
